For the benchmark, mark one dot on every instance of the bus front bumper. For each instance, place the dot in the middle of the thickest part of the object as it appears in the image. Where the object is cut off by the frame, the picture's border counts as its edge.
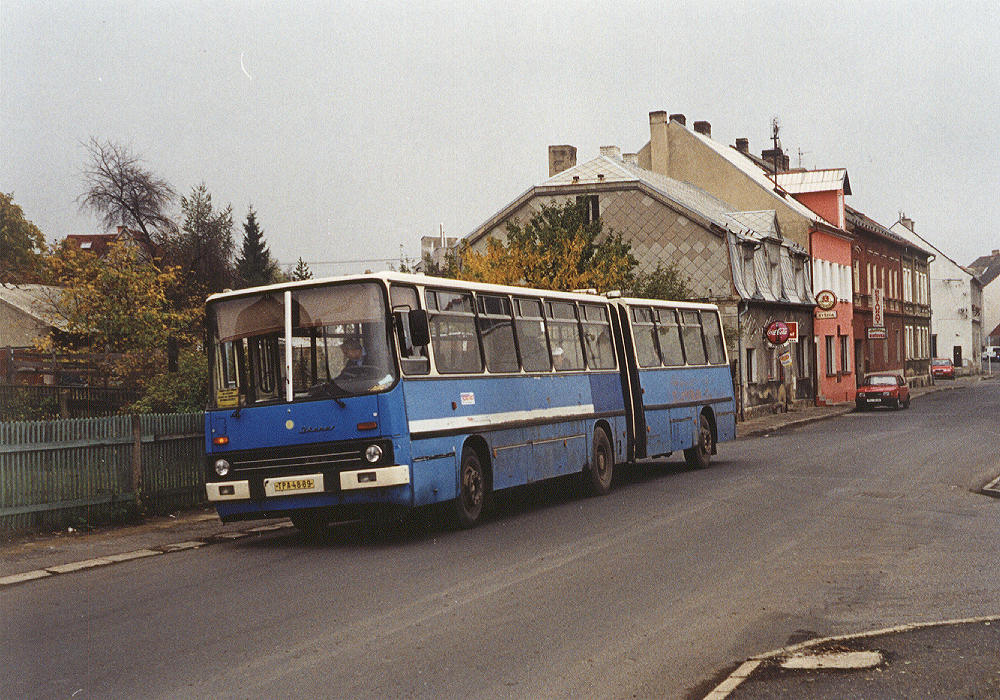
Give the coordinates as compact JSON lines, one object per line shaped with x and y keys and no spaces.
{"x":302,"y":484}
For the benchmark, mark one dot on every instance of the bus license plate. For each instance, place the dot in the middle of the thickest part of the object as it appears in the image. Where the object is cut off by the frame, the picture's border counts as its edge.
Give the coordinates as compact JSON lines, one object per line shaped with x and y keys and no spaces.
{"x":295,"y":485}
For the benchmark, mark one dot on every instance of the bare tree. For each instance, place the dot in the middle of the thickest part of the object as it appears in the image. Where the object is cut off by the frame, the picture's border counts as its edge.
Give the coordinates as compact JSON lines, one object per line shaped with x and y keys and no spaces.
{"x":122,"y":192}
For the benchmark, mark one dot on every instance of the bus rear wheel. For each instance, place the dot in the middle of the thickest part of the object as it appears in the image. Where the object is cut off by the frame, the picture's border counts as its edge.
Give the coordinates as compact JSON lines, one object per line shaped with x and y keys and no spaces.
{"x":600,"y":470}
{"x":700,"y":455}
{"x":471,"y":499}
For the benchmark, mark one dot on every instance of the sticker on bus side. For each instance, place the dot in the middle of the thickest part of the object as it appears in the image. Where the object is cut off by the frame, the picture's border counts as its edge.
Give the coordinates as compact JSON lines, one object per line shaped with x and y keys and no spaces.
{"x":468,"y":398}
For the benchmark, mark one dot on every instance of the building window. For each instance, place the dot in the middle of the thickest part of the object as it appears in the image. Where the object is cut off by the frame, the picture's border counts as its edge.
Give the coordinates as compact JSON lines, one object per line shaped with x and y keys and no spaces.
{"x":857,"y":275}
{"x":751,"y":367}
{"x":831,"y":364}
{"x":845,"y":365}
{"x":591,"y":207}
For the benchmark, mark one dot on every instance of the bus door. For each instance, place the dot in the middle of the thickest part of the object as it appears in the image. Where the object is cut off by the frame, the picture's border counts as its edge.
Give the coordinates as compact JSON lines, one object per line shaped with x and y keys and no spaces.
{"x":635,"y":423}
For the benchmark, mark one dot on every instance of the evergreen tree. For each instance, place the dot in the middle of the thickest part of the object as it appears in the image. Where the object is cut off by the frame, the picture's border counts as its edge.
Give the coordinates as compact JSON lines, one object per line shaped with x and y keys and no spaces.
{"x":301,"y":271}
{"x":202,"y":248}
{"x":254,"y":265}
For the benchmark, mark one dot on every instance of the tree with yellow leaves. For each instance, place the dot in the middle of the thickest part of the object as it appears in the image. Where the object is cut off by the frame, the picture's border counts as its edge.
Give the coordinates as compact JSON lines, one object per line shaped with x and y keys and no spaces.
{"x":558,"y":248}
{"x":120,"y":305}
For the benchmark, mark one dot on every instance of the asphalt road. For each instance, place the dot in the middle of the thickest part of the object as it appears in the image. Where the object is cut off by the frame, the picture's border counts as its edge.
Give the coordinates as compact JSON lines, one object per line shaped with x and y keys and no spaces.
{"x":860,"y":522}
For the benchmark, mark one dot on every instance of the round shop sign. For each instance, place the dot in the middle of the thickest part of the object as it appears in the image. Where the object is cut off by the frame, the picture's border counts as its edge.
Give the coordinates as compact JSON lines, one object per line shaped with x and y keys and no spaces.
{"x":826,"y":300}
{"x":776,"y":332}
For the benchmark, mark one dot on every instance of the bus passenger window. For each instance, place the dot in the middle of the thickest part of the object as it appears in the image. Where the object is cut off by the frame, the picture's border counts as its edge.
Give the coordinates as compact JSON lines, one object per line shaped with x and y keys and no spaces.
{"x":530,"y":329}
{"x":694,"y":349}
{"x":453,"y":332}
{"x":713,"y":338}
{"x":670,"y":337}
{"x":564,"y":335}
{"x":644,"y":333}
{"x":497,"y":330}
{"x":597,"y":337}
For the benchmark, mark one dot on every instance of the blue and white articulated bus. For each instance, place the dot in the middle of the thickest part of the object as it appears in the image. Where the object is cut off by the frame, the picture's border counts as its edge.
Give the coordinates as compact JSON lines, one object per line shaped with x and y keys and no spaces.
{"x":343,"y":397}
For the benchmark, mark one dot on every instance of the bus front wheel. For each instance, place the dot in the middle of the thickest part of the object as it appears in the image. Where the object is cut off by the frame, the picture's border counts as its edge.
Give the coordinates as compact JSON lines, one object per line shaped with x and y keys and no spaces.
{"x":701,"y":454}
{"x":602,"y":464}
{"x":471,"y":497}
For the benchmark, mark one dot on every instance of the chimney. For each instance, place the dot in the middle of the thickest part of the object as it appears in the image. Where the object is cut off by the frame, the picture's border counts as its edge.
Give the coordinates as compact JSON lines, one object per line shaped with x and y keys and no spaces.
{"x":906,"y":221}
{"x":743,"y":145}
{"x":659,"y":143}
{"x":679,"y":118}
{"x":631,"y":159}
{"x":611,"y":152}
{"x":703,"y":128}
{"x":776,"y":157}
{"x":996,"y":253}
{"x":561,"y":158}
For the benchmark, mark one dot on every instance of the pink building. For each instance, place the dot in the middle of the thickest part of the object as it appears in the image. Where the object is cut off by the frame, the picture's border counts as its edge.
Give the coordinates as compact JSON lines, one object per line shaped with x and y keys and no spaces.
{"x":830,"y":246}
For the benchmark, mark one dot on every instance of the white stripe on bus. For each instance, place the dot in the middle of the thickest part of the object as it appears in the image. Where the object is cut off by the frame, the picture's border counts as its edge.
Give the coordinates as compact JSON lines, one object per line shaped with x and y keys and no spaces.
{"x":484,"y":420}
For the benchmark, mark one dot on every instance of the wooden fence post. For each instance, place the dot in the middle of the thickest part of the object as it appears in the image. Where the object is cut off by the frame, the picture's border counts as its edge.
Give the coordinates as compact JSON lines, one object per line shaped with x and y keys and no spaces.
{"x":137,"y":458}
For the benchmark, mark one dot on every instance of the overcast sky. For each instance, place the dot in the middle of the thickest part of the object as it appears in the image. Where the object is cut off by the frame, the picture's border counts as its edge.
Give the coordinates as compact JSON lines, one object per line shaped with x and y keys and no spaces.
{"x":357,"y":128}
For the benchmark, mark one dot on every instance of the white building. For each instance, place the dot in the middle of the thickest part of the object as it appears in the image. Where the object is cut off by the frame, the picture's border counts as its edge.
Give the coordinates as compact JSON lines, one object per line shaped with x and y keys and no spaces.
{"x":956,"y":303}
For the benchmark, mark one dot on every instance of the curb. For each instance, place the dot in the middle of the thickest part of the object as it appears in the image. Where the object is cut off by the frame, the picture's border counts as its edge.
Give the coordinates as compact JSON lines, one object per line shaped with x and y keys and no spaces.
{"x":109,"y":559}
{"x":733,"y":681}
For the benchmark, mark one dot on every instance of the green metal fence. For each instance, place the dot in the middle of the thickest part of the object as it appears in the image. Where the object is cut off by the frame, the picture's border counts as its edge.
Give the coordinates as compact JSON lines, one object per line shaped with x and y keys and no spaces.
{"x":93,"y":471}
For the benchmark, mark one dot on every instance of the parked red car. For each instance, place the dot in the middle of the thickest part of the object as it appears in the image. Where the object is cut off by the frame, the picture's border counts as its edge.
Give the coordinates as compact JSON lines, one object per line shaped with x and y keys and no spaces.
{"x":942,"y":368}
{"x":882,"y":389}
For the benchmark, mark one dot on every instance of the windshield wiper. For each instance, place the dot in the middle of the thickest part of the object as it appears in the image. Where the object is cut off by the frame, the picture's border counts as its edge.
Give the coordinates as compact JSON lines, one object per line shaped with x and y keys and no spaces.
{"x":327,"y":388}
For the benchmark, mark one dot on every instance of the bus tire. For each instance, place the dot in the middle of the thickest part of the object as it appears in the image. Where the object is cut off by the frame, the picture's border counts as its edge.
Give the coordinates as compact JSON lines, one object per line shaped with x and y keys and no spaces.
{"x":472,"y":486}
{"x":700,"y":455}
{"x":600,"y":470}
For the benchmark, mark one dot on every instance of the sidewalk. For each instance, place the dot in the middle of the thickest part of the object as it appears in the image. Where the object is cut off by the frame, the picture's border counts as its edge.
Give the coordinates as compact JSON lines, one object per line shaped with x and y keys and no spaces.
{"x":764,"y":425}
{"x":956,"y":659}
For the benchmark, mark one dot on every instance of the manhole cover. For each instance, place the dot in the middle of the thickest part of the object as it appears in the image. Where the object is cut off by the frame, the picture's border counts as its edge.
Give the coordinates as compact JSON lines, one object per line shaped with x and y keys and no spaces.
{"x":837,"y":660}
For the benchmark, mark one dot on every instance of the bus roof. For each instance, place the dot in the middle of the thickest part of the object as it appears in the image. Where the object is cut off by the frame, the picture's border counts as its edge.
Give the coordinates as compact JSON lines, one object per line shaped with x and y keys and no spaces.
{"x":428,"y":280}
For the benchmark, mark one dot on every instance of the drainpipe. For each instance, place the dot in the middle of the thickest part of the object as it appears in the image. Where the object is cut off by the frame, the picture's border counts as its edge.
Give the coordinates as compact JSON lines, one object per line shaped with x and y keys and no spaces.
{"x":741,"y":307}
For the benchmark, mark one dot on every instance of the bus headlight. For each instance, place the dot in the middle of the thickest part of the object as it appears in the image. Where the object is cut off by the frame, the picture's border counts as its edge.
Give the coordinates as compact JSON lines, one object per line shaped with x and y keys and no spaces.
{"x":221,"y":467}
{"x":373,"y":453}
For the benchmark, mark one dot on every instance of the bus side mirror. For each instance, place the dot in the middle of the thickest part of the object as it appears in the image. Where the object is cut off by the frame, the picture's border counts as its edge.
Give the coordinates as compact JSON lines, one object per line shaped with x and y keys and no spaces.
{"x":412,"y":327}
{"x":420,"y":332}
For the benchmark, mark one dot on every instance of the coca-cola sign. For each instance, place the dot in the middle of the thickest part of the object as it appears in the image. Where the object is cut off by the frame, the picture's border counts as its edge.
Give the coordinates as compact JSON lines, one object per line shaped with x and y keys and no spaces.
{"x":776,"y":332}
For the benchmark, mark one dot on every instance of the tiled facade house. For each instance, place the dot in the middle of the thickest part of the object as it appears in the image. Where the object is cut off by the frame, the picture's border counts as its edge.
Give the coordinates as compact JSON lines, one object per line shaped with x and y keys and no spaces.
{"x":887,"y":265}
{"x":736,"y":259}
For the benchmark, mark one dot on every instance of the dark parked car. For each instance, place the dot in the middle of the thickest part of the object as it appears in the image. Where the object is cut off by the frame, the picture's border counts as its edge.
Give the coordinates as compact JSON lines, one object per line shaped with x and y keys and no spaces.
{"x":942,"y":368}
{"x":882,"y":389}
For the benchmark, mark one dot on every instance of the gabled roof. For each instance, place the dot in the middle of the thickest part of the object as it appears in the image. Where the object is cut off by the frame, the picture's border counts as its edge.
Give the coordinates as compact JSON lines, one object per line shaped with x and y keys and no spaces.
{"x":901,"y":229}
{"x":753,"y":171}
{"x":96,"y":243}
{"x":605,"y":170}
{"x":801,"y":181}
{"x":869,"y":224}
{"x":764,"y":222}
{"x":986,"y":268}
{"x":34,"y":300}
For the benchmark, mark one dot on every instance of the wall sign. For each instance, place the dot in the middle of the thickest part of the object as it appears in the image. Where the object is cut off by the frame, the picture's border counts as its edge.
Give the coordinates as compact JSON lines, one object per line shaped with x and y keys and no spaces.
{"x":826,"y":300}
{"x":776,"y":332}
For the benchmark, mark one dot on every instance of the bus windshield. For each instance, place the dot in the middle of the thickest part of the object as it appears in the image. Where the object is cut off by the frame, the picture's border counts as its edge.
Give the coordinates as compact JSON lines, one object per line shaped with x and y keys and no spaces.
{"x":339,"y":345}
